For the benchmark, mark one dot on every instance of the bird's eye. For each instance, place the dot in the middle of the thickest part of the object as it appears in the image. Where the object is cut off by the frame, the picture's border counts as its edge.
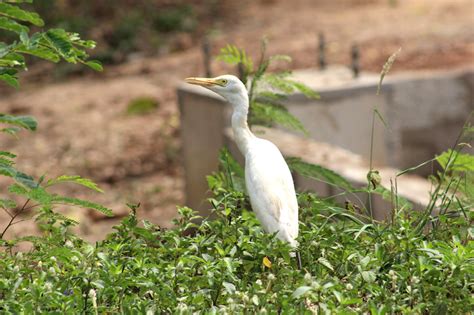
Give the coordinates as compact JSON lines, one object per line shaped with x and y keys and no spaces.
{"x":223,"y":81}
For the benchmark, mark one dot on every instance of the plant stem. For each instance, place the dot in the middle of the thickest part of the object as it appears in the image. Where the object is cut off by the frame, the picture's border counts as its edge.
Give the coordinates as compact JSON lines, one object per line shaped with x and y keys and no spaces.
{"x":369,"y":191}
{"x":13,"y":217}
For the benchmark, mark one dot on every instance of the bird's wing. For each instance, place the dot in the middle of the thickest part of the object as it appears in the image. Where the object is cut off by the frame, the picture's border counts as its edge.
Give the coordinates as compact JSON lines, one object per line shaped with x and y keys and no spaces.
{"x":271,"y":189}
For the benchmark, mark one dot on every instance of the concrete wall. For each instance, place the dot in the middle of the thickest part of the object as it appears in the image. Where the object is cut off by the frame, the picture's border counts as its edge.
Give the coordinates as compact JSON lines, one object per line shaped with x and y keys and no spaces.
{"x":424,"y":111}
{"x":427,"y":113}
{"x":202,"y":126}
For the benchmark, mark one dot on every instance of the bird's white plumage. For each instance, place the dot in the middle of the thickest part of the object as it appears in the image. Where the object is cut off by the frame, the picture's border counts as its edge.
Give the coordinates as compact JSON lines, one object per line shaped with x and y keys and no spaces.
{"x":271,"y":190}
{"x":268,"y":179}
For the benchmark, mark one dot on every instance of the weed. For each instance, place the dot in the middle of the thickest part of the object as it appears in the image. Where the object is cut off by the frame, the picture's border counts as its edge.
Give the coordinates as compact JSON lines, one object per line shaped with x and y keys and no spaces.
{"x":142,"y":105}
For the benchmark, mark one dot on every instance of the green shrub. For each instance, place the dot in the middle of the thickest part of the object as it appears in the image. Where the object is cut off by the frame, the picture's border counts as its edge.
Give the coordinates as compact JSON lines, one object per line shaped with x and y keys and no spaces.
{"x":142,"y":105}
{"x":179,"y":18}
{"x":350,"y":265}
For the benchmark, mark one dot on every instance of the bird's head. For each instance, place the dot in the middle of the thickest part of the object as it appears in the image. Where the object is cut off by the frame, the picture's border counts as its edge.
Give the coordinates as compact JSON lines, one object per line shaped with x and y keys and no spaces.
{"x":227,"y":86}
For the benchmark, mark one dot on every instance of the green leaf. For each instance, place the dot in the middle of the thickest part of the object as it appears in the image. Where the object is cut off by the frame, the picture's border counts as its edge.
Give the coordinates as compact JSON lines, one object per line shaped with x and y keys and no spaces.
{"x":269,"y":96}
{"x":280,"y":58}
{"x":300,"y":291}
{"x":456,"y":160}
{"x":266,"y":113}
{"x":40,"y":195}
{"x":7,"y":154}
{"x":11,"y":25}
{"x":279,"y":82}
{"x":306,"y":90}
{"x":323,"y":261}
{"x":25,"y":122}
{"x":362,"y":229}
{"x":25,"y":180}
{"x":17,"y":13}
{"x":74,"y":179}
{"x":40,"y":52}
{"x":6,"y":169}
{"x":95,"y":65}
{"x":83,"y":204}
{"x":5,"y":162}
{"x":5,"y":49}
{"x":233,"y":55}
{"x":233,"y":171}
{"x":18,"y":190}
{"x":60,"y":41}
{"x":86,"y":43}
{"x":318,"y":172}
{"x":7,"y":203}
{"x":230,"y":288}
{"x":9,"y":63}
{"x":368,"y":276}
{"x":48,"y":215}
{"x":351,"y":301}
{"x":10,"y":80}
{"x":11,"y":130}
{"x":19,"y":1}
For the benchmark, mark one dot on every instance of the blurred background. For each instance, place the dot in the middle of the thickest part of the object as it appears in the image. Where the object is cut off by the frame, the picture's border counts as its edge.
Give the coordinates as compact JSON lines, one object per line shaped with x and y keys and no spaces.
{"x":121,"y":128}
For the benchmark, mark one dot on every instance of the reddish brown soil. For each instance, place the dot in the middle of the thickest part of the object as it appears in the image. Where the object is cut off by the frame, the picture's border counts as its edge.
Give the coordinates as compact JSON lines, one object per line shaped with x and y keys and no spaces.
{"x":84,"y":128}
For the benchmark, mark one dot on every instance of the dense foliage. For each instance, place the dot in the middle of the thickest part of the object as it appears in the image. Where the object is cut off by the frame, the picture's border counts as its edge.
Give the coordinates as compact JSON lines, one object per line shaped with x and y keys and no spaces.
{"x":229,"y":264}
{"x":52,"y":45}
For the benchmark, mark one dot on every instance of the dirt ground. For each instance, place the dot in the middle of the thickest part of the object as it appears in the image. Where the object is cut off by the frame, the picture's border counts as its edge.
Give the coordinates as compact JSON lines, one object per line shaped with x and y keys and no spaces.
{"x":84,"y":129}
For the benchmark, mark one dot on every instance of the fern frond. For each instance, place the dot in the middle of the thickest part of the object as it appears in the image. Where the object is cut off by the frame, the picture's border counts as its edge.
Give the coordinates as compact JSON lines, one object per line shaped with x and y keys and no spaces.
{"x":233,"y":55}
{"x":76,"y":180}
{"x":319,"y":172}
{"x":267,"y":113}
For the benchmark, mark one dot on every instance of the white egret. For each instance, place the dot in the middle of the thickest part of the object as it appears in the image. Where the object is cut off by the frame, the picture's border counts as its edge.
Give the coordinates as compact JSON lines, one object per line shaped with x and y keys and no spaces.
{"x":267,"y":176}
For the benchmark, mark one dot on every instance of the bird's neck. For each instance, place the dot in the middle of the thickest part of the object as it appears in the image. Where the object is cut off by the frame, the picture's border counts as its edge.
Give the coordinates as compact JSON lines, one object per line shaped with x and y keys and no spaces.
{"x":240,"y":127}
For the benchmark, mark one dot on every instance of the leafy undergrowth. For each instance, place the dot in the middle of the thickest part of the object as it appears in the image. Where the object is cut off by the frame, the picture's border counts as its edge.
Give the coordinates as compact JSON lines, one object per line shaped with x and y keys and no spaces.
{"x":351,"y":265}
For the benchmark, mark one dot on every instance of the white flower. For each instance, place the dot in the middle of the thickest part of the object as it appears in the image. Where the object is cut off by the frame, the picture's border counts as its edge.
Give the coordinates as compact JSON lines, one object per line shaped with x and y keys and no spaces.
{"x":48,"y":286}
{"x":393,"y":275}
{"x":316,"y":286}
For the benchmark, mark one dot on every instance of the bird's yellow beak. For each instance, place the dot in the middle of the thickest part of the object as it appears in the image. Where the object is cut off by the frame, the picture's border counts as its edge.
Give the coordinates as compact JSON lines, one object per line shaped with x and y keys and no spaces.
{"x":206,"y":82}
